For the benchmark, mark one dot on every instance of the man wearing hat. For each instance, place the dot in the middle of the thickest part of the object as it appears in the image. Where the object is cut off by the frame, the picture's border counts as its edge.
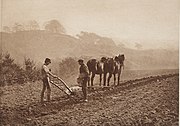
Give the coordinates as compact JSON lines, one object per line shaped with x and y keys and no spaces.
{"x":84,"y":76}
{"x":45,"y":71}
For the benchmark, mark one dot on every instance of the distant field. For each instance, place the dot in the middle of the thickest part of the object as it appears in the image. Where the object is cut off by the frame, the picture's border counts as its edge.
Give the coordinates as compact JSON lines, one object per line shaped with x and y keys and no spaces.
{"x":135,"y":74}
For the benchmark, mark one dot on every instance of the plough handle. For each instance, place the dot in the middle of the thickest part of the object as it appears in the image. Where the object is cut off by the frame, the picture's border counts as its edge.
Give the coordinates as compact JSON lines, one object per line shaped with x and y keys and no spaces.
{"x":58,"y":87}
{"x":64,"y":84}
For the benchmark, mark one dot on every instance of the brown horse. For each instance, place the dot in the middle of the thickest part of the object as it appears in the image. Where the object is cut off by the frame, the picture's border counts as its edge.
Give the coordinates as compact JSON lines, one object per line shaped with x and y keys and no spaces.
{"x":95,"y":67}
{"x":105,"y":66}
{"x":119,"y":63}
{"x":109,"y":67}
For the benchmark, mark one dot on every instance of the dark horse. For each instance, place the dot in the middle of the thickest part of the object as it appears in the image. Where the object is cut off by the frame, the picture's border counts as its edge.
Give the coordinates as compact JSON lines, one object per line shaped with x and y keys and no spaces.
{"x":119,"y":63}
{"x":105,"y":66}
{"x":109,"y":67}
{"x":113,"y":67}
{"x":95,"y":67}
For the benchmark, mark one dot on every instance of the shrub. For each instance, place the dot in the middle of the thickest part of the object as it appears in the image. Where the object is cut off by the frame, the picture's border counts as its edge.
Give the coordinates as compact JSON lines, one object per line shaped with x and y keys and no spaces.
{"x":68,"y":66}
{"x":11,"y":73}
{"x":31,"y":71}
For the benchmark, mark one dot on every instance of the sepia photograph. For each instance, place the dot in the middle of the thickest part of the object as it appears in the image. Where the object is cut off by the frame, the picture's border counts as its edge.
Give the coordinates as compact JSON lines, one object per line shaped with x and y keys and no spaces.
{"x":89,"y":62}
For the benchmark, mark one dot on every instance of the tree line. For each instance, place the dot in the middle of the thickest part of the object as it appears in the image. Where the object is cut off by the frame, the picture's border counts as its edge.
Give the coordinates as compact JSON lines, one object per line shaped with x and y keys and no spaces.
{"x":12,"y":73}
{"x":53,"y":26}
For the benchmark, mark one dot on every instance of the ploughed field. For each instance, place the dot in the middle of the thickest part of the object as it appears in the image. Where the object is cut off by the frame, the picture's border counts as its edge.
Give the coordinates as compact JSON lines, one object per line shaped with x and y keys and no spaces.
{"x":146,"y":98}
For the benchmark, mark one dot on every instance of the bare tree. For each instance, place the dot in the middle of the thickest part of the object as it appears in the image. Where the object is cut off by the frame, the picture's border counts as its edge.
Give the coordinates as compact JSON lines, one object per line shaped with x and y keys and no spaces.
{"x":18,"y":27}
{"x":33,"y":25}
{"x":54,"y":26}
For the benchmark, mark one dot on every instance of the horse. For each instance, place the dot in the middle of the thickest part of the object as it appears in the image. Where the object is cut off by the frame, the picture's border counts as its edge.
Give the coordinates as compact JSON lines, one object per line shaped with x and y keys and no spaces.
{"x":106,"y":66}
{"x":95,"y":67}
{"x":108,"y":69}
{"x":119,"y":63}
{"x":113,"y":67}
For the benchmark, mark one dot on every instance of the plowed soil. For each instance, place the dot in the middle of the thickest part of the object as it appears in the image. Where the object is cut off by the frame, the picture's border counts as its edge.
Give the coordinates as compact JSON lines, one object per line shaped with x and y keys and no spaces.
{"x":148,"y":101}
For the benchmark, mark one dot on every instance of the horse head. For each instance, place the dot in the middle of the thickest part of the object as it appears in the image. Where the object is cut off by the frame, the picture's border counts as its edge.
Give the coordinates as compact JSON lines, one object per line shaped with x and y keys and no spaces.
{"x":103,"y":59}
{"x":121,"y":58}
{"x":116,"y":59}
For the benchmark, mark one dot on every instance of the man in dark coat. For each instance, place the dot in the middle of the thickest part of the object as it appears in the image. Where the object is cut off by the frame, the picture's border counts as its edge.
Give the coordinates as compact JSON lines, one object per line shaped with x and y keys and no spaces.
{"x":84,"y":76}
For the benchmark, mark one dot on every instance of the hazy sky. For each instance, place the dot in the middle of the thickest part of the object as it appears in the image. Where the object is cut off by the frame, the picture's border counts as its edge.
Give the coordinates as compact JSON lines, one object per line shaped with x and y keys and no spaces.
{"x":143,"y":21}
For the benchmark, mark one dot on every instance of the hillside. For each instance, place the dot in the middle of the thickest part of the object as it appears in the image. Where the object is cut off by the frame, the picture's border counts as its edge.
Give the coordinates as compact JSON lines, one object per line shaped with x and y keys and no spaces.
{"x":40,"y":44}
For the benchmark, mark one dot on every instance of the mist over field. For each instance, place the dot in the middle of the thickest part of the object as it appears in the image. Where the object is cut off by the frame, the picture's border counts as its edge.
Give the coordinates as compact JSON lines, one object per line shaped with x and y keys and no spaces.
{"x":145,"y":31}
{"x":39,"y":44}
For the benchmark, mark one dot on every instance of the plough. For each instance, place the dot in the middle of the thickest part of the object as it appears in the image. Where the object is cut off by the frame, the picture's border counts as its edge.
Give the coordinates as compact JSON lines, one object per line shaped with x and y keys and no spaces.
{"x":68,"y":90}
{"x":71,"y":90}
{"x":56,"y":83}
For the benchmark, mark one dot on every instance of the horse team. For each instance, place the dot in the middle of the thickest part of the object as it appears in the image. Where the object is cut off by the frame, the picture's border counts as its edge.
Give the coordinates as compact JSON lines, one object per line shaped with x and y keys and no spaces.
{"x":106,"y":66}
